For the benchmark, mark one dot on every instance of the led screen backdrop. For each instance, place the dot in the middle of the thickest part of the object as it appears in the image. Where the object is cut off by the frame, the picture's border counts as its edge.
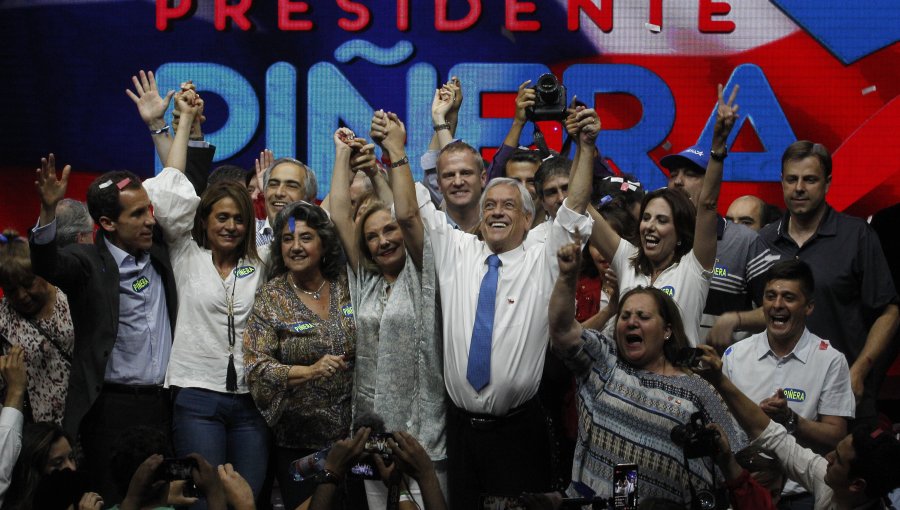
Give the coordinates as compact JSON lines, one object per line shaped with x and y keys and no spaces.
{"x":284,"y":74}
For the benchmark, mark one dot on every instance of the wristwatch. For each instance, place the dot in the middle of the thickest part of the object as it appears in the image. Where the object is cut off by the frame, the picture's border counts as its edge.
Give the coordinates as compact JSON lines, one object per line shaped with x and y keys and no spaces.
{"x":720,"y":155}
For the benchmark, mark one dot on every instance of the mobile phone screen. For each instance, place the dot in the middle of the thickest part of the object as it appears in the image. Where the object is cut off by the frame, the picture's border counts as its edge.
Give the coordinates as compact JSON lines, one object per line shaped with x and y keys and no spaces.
{"x":625,"y":487}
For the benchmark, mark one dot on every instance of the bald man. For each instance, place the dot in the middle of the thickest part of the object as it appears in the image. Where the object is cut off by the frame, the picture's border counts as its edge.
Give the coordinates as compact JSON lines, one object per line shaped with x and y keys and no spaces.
{"x":747,"y":210}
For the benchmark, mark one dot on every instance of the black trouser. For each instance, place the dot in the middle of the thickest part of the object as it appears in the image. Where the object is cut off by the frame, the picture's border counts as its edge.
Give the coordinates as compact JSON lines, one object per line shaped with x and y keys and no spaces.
{"x":117,"y":409}
{"x":497,"y":455}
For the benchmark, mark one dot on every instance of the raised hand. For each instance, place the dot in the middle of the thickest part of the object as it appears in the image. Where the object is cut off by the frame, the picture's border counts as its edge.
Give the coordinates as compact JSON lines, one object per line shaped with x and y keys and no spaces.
{"x":588,"y":125}
{"x":342,"y":139}
{"x":12,"y":368}
{"x":712,"y":364}
{"x":571,"y":122}
{"x":264,"y":161}
{"x":363,"y":157}
{"x":569,"y":258}
{"x":524,"y":101}
{"x":379,"y":127}
{"x":396,"y":134}
{"x":441,"y":104}
{"x":50,"y":188}
{"x":151,"y":106}
{"x":188,"y":102}
{"x":455,"y":87}
{"x":726,"y":115}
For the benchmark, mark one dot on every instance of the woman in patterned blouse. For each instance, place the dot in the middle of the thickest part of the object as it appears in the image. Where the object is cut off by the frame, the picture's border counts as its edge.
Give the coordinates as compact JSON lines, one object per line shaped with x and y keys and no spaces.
{"x":631,"y":393}
{"x":35,"y":315}
{"x":300,"y":343}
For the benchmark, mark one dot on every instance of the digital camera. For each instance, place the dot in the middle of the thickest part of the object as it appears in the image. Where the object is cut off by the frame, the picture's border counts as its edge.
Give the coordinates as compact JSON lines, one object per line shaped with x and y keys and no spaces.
{"x":549,"y":100}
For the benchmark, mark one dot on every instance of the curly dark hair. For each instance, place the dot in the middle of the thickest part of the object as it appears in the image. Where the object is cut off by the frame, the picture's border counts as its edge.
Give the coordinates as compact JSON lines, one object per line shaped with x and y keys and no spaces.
{"x":684,"y":216}
{"x":316,"y":218}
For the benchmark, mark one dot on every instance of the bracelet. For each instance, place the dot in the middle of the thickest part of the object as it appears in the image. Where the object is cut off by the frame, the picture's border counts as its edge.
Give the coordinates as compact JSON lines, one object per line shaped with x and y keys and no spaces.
{"x":400,"y":162}
{"x":164,"y":129}
{"x":439,"y":127}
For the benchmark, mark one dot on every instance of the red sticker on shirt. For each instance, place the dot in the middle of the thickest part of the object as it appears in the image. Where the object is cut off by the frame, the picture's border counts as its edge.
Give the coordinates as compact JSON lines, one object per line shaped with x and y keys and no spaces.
{"x":823,"y":345}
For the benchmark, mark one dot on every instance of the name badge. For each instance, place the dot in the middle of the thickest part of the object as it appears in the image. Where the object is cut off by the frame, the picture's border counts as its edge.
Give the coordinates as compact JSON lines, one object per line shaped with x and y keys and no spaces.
{"x":301,"y":327}
{"x":347,"y":310}
{"x":140,"y":284}
{"x":244,"y":271}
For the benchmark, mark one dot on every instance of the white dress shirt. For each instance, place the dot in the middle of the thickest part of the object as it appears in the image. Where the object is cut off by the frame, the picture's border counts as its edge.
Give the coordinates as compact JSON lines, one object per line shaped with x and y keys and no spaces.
{"x":11,"y":421}
{"x":521,"y":328}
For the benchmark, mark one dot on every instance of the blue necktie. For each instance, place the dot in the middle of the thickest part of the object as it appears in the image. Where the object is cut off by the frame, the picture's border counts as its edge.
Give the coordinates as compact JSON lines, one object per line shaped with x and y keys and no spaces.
{"x":479,"y":369}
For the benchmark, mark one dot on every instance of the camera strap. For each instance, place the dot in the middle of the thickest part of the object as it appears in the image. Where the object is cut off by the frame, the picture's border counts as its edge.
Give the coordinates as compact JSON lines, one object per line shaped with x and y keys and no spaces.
{"x":540,"y":142}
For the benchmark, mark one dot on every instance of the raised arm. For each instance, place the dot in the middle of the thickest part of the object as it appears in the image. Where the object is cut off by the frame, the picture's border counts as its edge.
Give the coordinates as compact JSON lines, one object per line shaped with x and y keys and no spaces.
{"x":152,"y":109}
{"x":390,"y":133}
{"x":339,"y":197}
{"x":705,"y":226}
{"x":588,"y":125}
{"x":749,"y":415}
{"x":440,"y":107}
{"x":821,"y":435}
{"x":565,"y":331}
{"x":189,"y":104}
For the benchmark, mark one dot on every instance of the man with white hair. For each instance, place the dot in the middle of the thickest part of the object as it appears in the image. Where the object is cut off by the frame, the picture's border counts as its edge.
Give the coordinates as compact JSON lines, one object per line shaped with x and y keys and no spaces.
{"x":495,"y":296}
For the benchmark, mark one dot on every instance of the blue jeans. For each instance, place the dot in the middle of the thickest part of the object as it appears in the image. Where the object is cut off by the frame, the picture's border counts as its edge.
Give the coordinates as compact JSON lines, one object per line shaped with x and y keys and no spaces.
{"x":223,"y":427}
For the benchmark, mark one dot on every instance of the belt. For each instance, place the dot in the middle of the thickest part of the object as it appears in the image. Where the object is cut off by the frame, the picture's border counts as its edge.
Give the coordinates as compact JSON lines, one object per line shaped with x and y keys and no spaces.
{"x":134,"y":389}
{"x":490,"y":421}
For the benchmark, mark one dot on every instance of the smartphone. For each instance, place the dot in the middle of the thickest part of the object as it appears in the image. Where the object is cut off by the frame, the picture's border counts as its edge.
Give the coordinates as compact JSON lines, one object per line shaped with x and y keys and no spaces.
{"x":689,"y":357}
{"x":177,"y":469}
{"x":495,"y":502}
{"x":625,"y":487}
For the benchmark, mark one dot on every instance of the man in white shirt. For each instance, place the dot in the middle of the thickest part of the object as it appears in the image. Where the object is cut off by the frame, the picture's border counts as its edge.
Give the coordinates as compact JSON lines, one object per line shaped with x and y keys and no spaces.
{"x":797,"y":378}
{"x":497,"y":438}
{"x":857,"y":474}
{"x":12,"y":368}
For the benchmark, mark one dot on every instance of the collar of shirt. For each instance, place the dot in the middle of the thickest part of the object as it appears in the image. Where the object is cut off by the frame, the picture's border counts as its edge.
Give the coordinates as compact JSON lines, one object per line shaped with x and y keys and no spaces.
{"x":827,"y":227}
{"x":508,"y":259}
{"x":124,"y":259}
{"x":263,"y":227}
{"x":801,"y":351}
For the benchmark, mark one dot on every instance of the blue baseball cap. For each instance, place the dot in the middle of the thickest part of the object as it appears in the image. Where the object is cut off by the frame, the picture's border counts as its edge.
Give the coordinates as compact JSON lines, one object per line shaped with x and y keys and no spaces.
{"x":695,"y":156}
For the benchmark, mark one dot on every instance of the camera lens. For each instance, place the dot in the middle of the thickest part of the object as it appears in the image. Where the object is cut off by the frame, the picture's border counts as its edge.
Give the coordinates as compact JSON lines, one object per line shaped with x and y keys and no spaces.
{"x":548,"y":87}
{"x":706,"y":499}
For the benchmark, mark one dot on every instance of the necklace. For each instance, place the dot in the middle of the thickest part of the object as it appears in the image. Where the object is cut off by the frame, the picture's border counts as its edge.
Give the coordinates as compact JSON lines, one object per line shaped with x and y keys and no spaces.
{"x":315,"y":294}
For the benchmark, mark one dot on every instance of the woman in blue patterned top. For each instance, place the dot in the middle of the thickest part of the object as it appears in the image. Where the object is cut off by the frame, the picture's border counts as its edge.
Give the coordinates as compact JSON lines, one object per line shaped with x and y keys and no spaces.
{"x":631,"y":394}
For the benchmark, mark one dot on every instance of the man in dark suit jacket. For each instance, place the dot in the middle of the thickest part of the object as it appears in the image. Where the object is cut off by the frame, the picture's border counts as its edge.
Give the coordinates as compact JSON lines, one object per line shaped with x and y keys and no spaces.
{"x":122,"y":297}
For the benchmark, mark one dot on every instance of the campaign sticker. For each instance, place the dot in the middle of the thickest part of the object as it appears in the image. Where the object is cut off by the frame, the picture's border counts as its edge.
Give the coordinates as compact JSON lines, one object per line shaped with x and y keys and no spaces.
{"x":720,"y":270}
{"x":669,"y":290}
{"x":347,"y":310}
{"x":244,"y":271}
{"x":140,"y":284}
{"x":301,"y":326}
{"x":794,"y":395}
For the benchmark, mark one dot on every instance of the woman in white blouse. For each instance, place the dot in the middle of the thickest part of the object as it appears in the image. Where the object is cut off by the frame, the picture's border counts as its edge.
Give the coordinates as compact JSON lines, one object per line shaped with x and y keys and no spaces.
{"x":217,"y":271}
